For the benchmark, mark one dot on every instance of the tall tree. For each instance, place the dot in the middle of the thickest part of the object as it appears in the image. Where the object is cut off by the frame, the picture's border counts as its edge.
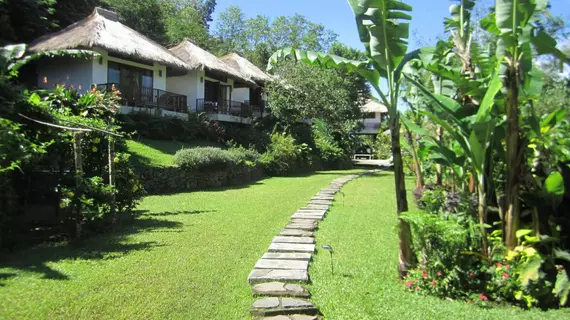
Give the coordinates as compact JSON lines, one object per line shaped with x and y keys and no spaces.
{"x":307,"y":92}
{"x":145,"y":16}
{"x":258,"y":37}
{"x":186,"y":23}
{"x":206,"y":8}
{"x":230,"y":29}
{"x":24,"y":20}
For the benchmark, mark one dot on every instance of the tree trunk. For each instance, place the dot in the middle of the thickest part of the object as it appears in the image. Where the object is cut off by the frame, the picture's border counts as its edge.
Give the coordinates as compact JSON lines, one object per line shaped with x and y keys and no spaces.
{"x":512,"y":201}
{"x":438,"y":169}
{"x":482,"y":212}
{"x":406,"y":254}
{"x":111,"y":153}
{"x":416,"y":162}
{"x":77,"y":154}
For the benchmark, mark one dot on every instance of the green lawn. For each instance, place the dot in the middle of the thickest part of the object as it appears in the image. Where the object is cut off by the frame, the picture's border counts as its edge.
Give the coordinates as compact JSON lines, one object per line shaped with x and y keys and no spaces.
{"x":187,"y":257}
{"x":365,"y":284}
{"x":159,"y":153}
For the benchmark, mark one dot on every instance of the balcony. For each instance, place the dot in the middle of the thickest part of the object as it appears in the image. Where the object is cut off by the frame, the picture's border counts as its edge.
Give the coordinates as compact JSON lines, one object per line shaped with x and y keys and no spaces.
{"x":224,"y":107}
{"x":149,"y":97}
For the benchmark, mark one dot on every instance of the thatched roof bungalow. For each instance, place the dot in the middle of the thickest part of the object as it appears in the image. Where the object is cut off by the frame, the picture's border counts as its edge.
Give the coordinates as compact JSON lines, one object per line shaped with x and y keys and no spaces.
{"x":103,"y":31}
{"x":126,"y":60}
{"x":199,"y":59}
{"x":246,"y":68}
{"x":374,"y":114}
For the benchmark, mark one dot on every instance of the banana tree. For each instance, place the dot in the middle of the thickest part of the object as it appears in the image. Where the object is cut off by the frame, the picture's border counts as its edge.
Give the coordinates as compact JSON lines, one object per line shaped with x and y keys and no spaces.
{"x":383,"y":29}
{"x":475,"y":136}
{"x":515,"y":23}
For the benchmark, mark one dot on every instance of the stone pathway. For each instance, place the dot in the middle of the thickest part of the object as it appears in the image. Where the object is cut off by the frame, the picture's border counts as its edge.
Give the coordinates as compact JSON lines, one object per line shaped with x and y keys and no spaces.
{"x":277,"y":278}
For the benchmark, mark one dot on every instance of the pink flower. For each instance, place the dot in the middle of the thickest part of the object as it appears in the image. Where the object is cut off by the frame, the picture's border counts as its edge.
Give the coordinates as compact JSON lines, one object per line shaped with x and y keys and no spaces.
{"x":483,"y":297}
{"x":471,"y":274}
{"x":409,"y":284}
{"x":499,"y":264}
{"x":433,"y":283}
{"x":439,"y":274}
{"x":507,"y":267}
{"x":505,"y":276}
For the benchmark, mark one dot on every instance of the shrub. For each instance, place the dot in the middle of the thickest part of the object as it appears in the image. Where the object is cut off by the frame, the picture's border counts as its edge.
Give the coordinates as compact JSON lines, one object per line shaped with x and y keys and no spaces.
{"x":243,"y":155}
{"x":284,"y":155}
{"x":443,"y":243}
{"x":164,"y":128}
{"x":383,"y":146}
{"x":328,"y":149}
{"x":203,"y":159}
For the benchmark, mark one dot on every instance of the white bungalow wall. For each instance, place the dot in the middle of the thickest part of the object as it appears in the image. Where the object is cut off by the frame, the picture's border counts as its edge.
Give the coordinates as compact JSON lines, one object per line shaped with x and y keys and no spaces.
{"x":189,"y":85}
{"x":67,"y":71}
{"x":82,"y":73}
{"x":192,"y":85}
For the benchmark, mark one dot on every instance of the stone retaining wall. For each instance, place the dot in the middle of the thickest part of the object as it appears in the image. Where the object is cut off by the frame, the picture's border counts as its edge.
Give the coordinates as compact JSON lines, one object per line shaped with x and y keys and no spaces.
{"x":164,"y":180}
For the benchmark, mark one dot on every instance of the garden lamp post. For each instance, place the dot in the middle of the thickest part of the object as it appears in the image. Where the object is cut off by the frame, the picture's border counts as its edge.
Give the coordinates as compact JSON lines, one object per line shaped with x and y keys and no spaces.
{"x":331,"y":251}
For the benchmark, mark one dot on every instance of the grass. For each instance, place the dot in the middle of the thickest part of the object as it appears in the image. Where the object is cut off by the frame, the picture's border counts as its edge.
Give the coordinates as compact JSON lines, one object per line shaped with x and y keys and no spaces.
{"x":158,"y":153}
{"x":365,"y":284}
{"x":187,"y":257}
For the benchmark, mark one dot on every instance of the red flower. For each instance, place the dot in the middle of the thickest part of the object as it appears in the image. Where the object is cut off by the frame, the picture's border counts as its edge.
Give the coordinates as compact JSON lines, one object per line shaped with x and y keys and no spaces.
{"x":424,"y":274}
{"x":433,"y":283}
{"x":471,"y":274}
{"x":483,"y":297}
{"x":409,"y":284}
{"x":505,"y":276}
{"x":439,"y":274}
{"x":499,"y":264}
{"x":507,"y":266}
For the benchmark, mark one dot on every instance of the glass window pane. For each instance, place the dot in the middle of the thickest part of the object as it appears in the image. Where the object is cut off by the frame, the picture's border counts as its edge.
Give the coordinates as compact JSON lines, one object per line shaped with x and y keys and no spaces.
{"x":114,"y":75}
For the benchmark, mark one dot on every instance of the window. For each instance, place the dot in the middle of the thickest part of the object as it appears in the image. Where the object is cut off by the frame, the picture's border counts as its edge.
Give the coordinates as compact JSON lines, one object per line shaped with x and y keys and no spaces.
{"x":120,"y":73}
{"x":369,"y":115}
{"x":114,"y":75}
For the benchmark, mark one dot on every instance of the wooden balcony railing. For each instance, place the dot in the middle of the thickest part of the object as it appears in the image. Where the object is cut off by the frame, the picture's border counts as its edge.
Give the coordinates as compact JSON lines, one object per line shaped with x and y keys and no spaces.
{"x":228,"y":107}
{"x":149,"y":97}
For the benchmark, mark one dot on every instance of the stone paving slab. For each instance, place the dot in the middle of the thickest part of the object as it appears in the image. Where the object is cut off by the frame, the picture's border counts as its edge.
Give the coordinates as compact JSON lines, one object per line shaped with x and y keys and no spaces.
{"x":313,"y":211}
{"x":280,"y":289}
{"x":308,"y":216}
{"x":291,"y":247}
{"x":293,"y":317}
{"x":298,"y":226}
{"x":317,"y":206}
{"x":296,"y":232}
{"x":282,"y":264}
{"x":287,"y":256}
{"x":304,"y":222}
{"x":264,"y":275}
{"x":282,"y":306}
{"x":322,"y":197}
{"x":323,"y":202}
{"x":284,"y":239}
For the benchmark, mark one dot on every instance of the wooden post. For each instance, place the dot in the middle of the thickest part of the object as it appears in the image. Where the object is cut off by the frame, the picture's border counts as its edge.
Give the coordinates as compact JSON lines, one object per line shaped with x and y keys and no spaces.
{"x":77,"y":154}
{"x":111,"y":154}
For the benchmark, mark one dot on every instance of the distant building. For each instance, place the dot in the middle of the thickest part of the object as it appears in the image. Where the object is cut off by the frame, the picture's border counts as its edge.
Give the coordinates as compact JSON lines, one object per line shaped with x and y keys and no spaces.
{"x":374,"y":113}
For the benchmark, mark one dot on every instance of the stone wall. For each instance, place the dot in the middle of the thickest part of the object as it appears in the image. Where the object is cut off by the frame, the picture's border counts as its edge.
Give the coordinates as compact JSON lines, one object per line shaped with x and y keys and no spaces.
{"x":173,"y":179}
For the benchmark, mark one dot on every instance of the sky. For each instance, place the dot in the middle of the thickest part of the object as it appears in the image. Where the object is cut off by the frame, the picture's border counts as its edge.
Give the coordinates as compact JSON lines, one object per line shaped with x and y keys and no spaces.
{"x":426,"y":25}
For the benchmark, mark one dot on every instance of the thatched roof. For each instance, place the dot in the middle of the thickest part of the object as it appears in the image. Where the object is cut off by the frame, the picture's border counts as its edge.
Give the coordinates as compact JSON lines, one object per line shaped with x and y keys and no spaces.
{"x":247,"y":68}
{"x":102,"y":30}
{"x":374,"y":106}
{"x":198,"y":58}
